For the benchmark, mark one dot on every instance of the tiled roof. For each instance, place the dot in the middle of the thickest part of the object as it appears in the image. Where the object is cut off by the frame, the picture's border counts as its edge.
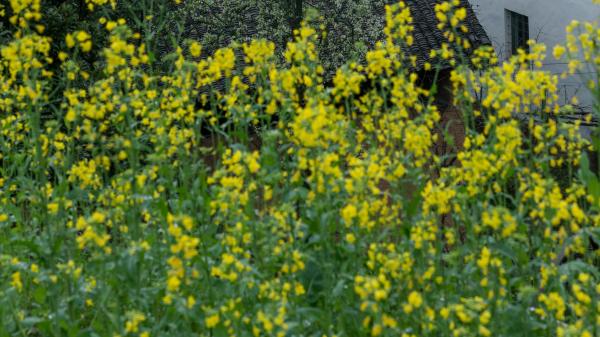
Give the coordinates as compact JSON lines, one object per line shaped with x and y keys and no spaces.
{"x":428,"y":37}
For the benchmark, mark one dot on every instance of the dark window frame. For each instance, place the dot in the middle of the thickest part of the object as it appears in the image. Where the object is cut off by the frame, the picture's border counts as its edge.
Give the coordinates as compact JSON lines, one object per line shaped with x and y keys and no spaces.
{"x":517,"y":31}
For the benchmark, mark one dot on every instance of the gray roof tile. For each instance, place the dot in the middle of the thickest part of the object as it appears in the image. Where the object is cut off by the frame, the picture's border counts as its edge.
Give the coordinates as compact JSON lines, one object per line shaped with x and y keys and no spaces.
{"x":428,"y":37}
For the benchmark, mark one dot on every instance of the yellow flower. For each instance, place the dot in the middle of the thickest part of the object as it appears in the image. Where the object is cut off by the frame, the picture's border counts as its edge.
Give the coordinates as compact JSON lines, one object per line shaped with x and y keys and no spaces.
{"x":554,"y":302}
{"x":190,"y":302}
{"x":415,"y":299}
{"x":299,"y":289}
{"x":350,"y":238}
{"x":52,"y":207}
{"x":389,"y":321}
{"x":82,"y":36}
{"x":133,"y":322}
{"x":376,"y":330}
{"x":195,"y":49}
{"x":212,"y":321}
{"x":98,"y":217}
{"x":173,"y":283}
{"x":110,"y":25}
{"x":16,"y":281}
{"x":70,"y":40}
{"x":92,"y":3}
{"x":349,"y":213}
{"x":559,"y":51}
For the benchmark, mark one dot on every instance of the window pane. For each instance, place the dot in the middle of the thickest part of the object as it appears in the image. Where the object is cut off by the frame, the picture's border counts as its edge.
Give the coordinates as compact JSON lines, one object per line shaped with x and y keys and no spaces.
{"x":519,"y":26}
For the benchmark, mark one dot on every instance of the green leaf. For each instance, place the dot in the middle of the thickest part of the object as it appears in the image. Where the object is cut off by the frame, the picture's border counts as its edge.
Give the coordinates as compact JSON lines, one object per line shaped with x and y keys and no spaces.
{"x":39,"y":295}
{"x":31,"y":321}
{"x":339,"y":288}
{"x":589,"y":178}
{"x":574,"y":268}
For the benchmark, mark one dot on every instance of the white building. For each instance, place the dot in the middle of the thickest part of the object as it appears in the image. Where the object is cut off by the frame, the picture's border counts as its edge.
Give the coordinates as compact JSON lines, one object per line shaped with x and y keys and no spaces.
{"x":510,"y":23}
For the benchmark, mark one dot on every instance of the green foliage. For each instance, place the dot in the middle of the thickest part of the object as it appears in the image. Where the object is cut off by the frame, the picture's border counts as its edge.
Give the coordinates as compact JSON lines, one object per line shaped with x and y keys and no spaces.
{"x":217,"y":23}
{"x":352,"y":26}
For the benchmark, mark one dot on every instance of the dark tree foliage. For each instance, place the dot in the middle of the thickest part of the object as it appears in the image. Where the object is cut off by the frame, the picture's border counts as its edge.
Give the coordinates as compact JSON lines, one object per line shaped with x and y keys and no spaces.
{"x":352,"y":26}
{"x":61,"y":17}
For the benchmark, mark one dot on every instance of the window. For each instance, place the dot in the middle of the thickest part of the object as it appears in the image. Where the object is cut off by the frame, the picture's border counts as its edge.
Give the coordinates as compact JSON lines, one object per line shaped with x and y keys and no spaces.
{"x":517,"y":31}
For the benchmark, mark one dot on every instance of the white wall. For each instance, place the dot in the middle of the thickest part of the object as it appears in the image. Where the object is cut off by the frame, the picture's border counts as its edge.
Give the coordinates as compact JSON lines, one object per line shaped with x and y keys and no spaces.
{"x":547,"y":22}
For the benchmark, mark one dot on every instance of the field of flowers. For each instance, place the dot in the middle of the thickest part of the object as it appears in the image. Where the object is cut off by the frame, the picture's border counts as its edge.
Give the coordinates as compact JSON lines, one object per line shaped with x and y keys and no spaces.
{"x":237,"y":195}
